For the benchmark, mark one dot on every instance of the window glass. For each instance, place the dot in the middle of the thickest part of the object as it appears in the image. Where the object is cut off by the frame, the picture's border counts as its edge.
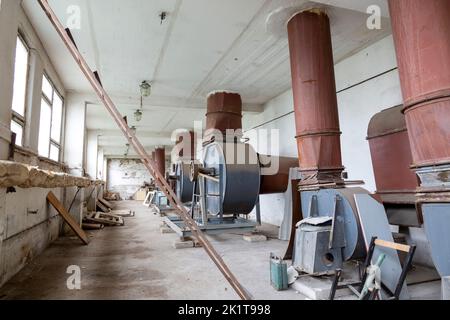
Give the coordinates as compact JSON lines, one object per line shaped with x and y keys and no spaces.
{"x":44,"y":129}
{"x":47,"y":88}
{"x":20,"y":78}
{"x":57,"y":118}
{"x":54,"y":152}
{"x":18,"y":130}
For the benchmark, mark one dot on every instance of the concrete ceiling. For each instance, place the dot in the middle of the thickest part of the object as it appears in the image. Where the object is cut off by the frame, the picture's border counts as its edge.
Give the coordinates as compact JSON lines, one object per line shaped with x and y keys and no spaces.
{"x":203,"y":45}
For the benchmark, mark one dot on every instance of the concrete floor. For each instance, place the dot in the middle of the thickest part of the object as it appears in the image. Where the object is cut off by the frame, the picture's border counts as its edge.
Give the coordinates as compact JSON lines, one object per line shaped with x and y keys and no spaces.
{"x":138,"y":262}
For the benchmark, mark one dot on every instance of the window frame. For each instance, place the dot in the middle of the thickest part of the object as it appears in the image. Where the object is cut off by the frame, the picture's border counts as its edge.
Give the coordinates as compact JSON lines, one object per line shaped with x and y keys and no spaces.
{"x":50,"y":102}
{"x":16,"y":117}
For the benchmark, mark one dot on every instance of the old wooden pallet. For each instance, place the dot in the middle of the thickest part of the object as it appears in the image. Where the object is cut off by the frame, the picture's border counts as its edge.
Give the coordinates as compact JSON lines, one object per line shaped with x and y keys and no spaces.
{"x":67,"y":217}
{"x":102,"y":207}
{"x":123,"y":213}
{"x":106,"y":203}
{"x":106,"y":219}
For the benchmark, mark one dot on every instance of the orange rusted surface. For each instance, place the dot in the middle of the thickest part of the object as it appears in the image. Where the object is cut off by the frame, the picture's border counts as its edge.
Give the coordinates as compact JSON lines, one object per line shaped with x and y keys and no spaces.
{"x":391,"y":152}
{"x":279,"y":182}
{"x":421,"y":33}
{"x":224,"y":112}
{"x":160,"y":160}
{"x":315,"y":101}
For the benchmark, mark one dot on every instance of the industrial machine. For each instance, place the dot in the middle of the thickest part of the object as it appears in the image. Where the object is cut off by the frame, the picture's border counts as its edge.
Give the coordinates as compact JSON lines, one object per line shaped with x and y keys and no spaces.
{"x":224,"y":187}
{"x":156,"y":199}
{"x":338,"y":218}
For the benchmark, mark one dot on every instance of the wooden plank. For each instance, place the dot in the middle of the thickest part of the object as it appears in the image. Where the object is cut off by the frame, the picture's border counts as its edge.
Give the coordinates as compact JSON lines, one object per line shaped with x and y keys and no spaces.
{"x":123,"y":213}
{"x":102,"y":207}
{"x":106,"y":219}
{"x":393,"y":245}
{"x":106,"y":203}
{"x":67,"y":217}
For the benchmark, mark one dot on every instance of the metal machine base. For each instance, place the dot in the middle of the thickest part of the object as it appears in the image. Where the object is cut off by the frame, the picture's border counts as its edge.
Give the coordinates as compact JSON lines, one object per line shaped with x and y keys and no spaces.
{"x":214,"y":226}
{"x":158,"y":201}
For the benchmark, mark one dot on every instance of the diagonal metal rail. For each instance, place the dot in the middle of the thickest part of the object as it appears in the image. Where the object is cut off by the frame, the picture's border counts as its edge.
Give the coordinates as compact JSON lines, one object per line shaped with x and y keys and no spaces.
{"x":146,"y":159}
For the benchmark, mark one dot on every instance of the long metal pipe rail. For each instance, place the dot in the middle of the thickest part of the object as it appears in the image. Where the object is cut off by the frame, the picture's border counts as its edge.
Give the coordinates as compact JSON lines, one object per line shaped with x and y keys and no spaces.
{"x":146,"y":159}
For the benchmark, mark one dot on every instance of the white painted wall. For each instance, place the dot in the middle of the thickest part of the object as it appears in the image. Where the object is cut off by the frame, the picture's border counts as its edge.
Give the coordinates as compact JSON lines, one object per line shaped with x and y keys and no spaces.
{"x":375,"y":66}
{"x":126,"y":176}
{"x":24,"y":235}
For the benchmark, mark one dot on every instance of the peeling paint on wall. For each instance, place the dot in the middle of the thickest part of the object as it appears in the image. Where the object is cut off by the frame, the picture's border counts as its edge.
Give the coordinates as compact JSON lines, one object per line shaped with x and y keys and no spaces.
{"x":126,"y":177}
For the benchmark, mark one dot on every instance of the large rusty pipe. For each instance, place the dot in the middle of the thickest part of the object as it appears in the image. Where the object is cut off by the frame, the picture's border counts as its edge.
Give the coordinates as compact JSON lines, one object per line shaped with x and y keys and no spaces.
{"x":224,"y":112}
{"x":279,"y":182}
{"x":160,"y":160}
{"x":421,"y":34}
{"x":315,"y":101}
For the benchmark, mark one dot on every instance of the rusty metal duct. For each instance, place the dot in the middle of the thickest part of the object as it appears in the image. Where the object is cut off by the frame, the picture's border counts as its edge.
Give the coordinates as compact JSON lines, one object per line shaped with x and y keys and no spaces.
{"x":421,"y":30}
{"x":391,"y":152}
{"x":186,"y":149}
{"x":391,"y":157}
{"x":315,"y":101}
{"x":278,"y":183}
{"x":224,"y":112}
{"x":186,"y":146}
{"x":160,"y":160}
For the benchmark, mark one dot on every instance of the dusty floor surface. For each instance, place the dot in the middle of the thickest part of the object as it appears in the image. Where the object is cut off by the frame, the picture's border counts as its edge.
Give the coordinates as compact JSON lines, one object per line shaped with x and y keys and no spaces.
{"x":138,"y":262}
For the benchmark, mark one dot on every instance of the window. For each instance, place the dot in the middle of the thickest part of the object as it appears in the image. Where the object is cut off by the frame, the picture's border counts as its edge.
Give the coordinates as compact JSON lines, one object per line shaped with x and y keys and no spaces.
{"x":20,"y":90}
{"x":50,"y":125}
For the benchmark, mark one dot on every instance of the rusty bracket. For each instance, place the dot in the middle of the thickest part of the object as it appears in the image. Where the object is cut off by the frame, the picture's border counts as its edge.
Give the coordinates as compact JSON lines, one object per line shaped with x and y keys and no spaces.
{"x":146,"y":159}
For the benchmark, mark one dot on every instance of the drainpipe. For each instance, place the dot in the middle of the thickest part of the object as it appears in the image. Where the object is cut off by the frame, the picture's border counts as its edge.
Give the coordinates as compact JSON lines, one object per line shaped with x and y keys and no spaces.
{"x":315,"y":101}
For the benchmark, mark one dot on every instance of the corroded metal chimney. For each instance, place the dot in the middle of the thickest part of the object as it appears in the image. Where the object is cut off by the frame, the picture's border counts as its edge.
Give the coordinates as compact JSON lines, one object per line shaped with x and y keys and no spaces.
{"x":315,"y":101}
{"x":224,"y":112}
{"x":160,"y":160}
{"x":186,"y":146}
{"x":421,"y":33}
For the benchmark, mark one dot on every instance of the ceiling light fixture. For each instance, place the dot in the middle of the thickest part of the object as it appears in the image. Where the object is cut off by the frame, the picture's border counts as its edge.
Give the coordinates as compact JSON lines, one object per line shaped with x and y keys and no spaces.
{"x":146,"y":89}
{"x":138,"y":115}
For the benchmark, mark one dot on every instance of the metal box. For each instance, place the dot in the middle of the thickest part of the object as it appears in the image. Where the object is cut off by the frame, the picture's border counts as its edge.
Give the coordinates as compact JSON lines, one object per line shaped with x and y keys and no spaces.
{"x":312,"y":254}
{"x":278,"y":274}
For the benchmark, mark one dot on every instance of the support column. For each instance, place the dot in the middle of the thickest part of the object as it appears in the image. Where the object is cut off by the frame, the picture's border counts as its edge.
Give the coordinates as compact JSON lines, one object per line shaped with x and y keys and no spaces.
{"x":100,"y":164}
{"x":92,"y":154}
{"x":74,"y":151}
{"x":75,"y":134}
{"x":315,"y":101}
{"x":36,"y":70}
